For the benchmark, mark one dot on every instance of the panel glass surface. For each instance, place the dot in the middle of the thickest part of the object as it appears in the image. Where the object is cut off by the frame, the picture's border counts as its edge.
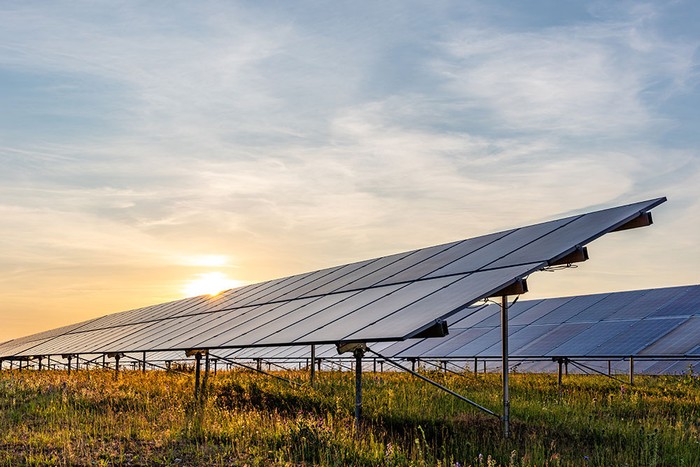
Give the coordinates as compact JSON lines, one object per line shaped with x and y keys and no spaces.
{"x":445,"y":257}
{"x":607,"y":306}
{"x":588,"y":341}
{"x":536,"y":312}
{"x":371,"y":274}
{"x":481,"y":343}
{"x":570,"y":308}
{"x":442,"y":303}
{"x":311,"y":288}
{"x":687,"y":303}
{"x":458,"y":340}
{"x":490,"y":253}
{"x":520,"y":339}
{"x":680,"y":341}
{"x":639,"y":335}
{"x":514,"y":311}
{"x":646,"y":304}
{"x":387,"y":274}
{"x":548,"y":343}
{"x":239,"y":324}
{"x":580,"y":231}
{"x":216,"y":326}
{"x":338,"y":327}
{"x":165,"y":328}
{"x":325,"y":325}
{"x":290,"y":288}
{"x":471,"y":316}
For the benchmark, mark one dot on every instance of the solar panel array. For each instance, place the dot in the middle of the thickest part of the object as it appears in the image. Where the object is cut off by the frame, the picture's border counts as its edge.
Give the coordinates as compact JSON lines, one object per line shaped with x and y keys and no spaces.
{"x":654,"y":323}
{"x":383,"y":299}
{"x":655,"y":326}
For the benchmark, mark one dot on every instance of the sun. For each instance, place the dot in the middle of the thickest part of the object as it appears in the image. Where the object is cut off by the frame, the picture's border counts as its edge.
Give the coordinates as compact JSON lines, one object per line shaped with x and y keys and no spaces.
{"x":210,"y":283}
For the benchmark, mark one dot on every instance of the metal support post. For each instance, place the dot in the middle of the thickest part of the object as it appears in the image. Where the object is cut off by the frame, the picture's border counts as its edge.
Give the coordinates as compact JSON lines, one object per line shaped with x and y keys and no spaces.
{"x":197,"y":371}
{"x":104,"y":360}
{"x":374,"y":365}
{"x":312,"y":375}
{"x":559,"y":378}
{"x":609,"y":368}
{"x":631,"y":371}
{"x":41,"y":363}
{"x":504,"y":350}
{"x":70,"y":357}
{"x":203,"y":393}
{"x":143,"y":369}
{"x":359,"y":352}
{"x":77,"y":362}
{"x":116,"y":366}
{"x":476,"y":366}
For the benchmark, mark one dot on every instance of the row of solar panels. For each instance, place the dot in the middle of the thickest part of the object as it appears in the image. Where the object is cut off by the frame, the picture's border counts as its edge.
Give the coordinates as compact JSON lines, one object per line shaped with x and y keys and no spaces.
{"x":652,"y":324}
{"x":390,"y":298}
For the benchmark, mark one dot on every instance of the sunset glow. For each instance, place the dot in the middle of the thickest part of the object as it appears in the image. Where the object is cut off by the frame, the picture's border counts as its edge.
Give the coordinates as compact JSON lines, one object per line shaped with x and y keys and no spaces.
{"x":211,"y":283}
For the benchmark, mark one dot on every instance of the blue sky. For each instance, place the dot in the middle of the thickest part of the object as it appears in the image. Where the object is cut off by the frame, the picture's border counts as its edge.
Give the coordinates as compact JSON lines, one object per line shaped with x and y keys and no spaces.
{"x":146,"y":144}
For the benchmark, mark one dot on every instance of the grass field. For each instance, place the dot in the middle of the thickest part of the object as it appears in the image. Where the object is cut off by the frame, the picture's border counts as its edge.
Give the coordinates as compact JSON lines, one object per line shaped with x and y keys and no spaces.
{"x":87,"y":418}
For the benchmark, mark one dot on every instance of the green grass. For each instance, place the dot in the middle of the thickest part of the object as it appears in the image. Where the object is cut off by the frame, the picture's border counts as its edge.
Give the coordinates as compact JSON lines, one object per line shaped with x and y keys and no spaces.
{"x":87,"y":418}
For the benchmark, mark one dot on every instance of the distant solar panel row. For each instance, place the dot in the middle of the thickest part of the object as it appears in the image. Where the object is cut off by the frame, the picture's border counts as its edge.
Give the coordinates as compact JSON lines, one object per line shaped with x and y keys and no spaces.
{"x":384,"y":299}
{"x":655,"y":324}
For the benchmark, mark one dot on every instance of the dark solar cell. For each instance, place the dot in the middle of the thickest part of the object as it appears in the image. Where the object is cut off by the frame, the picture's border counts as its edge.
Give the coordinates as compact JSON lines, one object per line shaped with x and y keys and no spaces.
{"x":547,"y":344}
{"x":646,"y":304}
{"x":492,"y":316}
{"x":687,"y":303}
{"x":543,"y":308}
{"x":446,"y":256}
{"x":680,"y":341}
{"x":570,"y":308}
{"x":478,"y":345}
{"x":639,"y":335}
{"x":606,"y":307}
{"x":442,"y":303}
{"x":473,"y":315}
{"x":588,"y":341}
{"x":504,"y":245}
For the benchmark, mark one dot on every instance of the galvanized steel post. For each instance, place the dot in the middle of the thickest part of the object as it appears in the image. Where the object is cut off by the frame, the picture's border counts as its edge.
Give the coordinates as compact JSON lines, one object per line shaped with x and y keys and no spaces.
{"x":358,"y":352}
{"x":197,"y":370}
{"x":631,"y":370}
{"x":312,"y":375}
{"x":116,"y":366}
{"x":504,"y":349}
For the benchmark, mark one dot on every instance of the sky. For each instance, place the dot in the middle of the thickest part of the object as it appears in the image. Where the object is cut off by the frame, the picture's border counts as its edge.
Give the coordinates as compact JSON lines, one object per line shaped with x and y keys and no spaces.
{"x":147,"y":147}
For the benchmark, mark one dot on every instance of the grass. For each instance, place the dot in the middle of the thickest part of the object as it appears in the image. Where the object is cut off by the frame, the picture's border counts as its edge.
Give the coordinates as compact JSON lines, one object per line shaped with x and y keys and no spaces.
{"x":87,"y":418}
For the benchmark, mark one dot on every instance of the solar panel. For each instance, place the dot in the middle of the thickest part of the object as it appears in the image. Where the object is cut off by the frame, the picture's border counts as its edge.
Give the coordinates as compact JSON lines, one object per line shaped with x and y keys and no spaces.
{"x":647,"y":304}
{"x":548,"y":344}
{"x":609,"y":305}
{"x":569,"y":309}
{"x":394,"y":297}
{"x":687,"y":302}
{"x":541,"y":309}
{"x":680,"y":341}
{"x":590,"y":338}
